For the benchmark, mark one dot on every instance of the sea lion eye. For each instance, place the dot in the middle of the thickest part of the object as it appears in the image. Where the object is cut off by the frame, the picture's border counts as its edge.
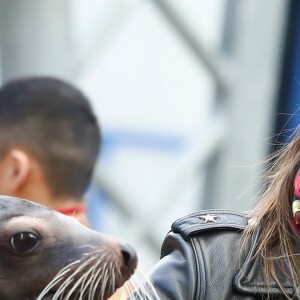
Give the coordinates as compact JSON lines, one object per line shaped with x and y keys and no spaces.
{"x":24,"y":242}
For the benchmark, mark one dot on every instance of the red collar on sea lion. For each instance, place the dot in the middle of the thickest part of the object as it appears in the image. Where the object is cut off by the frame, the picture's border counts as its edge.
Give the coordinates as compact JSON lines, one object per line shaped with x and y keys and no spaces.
{"x":72,"y":210}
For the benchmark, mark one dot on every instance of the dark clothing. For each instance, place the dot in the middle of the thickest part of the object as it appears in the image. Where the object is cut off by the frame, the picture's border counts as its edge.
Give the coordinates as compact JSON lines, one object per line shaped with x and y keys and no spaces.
{"x":201,"y":258}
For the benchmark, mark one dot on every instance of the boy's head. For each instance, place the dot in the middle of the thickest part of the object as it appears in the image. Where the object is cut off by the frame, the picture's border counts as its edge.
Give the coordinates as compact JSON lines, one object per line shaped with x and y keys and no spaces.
{"x":46,"y":124}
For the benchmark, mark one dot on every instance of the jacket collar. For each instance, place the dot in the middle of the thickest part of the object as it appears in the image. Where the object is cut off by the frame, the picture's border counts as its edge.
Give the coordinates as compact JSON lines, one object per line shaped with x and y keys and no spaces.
{"x":249,"y":279}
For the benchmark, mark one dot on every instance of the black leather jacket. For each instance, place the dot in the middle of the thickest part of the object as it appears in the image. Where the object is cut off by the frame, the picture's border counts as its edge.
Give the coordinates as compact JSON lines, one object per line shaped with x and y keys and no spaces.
{"x":201,"y":259}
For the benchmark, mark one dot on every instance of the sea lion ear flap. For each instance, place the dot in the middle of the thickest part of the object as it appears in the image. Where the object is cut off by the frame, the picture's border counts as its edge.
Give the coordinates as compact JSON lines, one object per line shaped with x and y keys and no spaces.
{"x":17,"y":169}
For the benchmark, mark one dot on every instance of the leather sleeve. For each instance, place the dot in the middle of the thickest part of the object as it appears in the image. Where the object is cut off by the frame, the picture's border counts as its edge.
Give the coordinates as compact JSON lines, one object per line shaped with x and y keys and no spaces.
{"x":199,"y":257}
{"x":174,"y":276}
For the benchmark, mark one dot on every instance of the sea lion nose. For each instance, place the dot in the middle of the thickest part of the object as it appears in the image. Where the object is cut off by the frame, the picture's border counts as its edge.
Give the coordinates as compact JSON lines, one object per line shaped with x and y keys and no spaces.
{"x":129,"y":256}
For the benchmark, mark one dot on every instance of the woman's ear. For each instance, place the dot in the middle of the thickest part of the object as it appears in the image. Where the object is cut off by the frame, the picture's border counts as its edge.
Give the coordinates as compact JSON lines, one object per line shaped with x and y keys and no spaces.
{"x":15,"y":170}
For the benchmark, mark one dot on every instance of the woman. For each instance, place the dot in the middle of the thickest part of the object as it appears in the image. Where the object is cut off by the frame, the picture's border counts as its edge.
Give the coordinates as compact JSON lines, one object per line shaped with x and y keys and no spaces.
{"x":219,"y":254}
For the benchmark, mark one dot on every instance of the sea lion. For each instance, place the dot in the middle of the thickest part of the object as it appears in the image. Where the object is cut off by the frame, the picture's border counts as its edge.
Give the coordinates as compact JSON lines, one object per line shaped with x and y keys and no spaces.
{"x":47,"y":255}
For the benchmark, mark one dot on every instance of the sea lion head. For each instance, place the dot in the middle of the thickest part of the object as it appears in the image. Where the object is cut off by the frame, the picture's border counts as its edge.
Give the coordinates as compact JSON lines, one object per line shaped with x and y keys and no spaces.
{"x":46,"y":254}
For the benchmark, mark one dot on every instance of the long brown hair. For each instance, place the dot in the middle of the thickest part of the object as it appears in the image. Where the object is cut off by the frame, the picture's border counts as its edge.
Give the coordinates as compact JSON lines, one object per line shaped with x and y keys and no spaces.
{"x":273,"y":215}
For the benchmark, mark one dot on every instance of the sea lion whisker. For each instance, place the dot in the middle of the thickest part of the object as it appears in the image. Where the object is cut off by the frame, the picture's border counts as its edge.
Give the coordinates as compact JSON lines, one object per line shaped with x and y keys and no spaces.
{"x":70,"y":279}
{"x":75,"y":285}
{"x":49,"y":287}
{"x":113,"y":278}
{"x":105,"y":280}
{"x":124,"y":292}
{"x":111,"y":288}
{"x":93,"y":252}
{"x":57,"y":278}
{"x":96,"y":280}
{"x":82,"y":282}
{"x":60,"y":291}
{"x":83,"y":265}
{"x":92,"y":291}
{"x":85,"y":285}
{"x":108,"y":275}
{"x":62,"y":288}
{"x":94,"y":285}
{"x":129,"y":288}
{"x":134,"y":291}
{"x":150,"y":288}
{"x":103,"y":285}
{"x":86,"y":246}
{"x":144,"y":289}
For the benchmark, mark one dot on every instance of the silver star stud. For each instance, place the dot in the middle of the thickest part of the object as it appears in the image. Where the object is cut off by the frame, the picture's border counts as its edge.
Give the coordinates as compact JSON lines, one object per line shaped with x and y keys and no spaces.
{"x":209,"y":218}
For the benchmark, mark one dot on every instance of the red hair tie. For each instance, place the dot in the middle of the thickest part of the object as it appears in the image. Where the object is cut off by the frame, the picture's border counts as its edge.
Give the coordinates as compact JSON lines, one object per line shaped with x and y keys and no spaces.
{"x":296,"y":202}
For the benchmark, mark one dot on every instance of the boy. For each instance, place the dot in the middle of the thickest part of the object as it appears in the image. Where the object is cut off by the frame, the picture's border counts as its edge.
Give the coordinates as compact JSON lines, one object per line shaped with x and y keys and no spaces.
{"x":49,"y":143}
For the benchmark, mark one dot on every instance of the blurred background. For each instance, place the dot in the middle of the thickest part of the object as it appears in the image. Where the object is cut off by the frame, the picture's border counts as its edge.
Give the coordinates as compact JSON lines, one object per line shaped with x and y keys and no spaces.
{"x":191,"y":96}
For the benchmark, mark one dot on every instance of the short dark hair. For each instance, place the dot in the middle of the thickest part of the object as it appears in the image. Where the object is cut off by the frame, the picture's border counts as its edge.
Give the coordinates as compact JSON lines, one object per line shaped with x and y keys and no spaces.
{"x":53,"y":122}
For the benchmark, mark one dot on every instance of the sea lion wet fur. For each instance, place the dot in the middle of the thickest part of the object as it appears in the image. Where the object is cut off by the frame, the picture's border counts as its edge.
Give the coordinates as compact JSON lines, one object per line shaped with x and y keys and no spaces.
{"x":39,"y":246}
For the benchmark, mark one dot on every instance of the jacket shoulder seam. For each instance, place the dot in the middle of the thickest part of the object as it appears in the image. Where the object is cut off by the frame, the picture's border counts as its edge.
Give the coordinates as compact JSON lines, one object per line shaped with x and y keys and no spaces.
{"x":213,"y":219}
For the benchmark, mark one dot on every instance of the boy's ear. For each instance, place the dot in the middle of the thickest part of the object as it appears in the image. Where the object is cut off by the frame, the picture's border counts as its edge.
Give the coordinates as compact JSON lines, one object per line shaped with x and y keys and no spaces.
{"x":16,"y":168}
